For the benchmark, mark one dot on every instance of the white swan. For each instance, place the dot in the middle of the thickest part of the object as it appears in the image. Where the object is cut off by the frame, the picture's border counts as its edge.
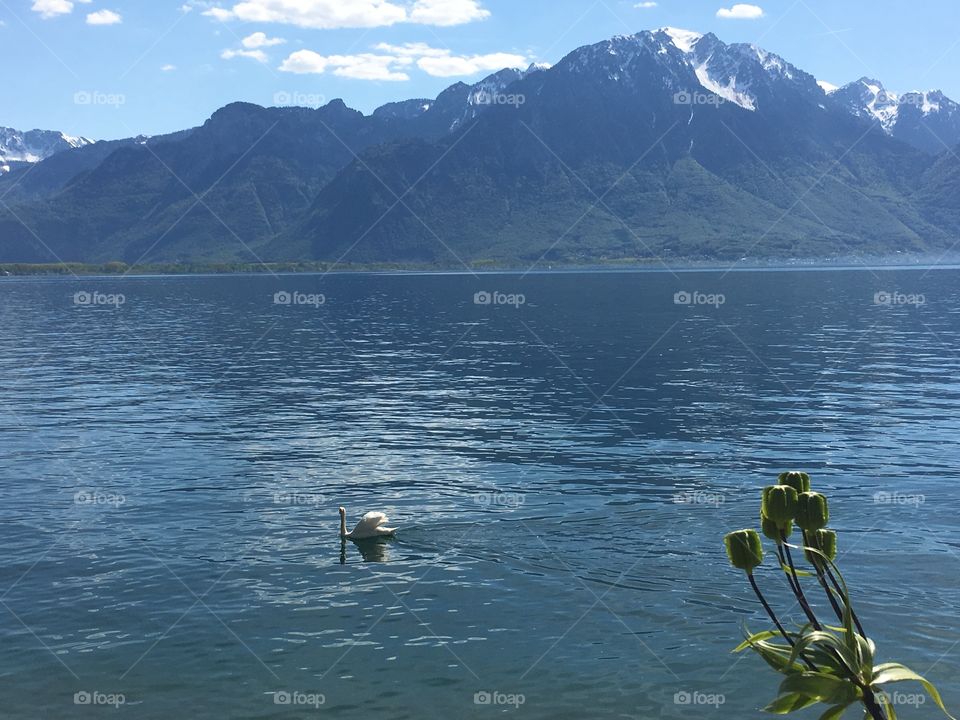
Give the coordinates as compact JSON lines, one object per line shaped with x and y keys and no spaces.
{"x":371,"y":525}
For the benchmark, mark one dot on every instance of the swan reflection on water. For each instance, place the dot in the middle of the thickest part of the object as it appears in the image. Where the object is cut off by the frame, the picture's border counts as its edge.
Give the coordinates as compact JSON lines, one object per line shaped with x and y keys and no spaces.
{"x":372,"y":549}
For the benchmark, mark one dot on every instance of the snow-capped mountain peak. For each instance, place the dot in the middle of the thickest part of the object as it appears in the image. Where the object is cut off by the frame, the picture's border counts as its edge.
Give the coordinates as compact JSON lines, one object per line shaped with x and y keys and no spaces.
{"x":773,"y":63}
{"x":930,"y":102}
{"x":33,"y":146}
{"x":927,"y":119}
{"x":693,"y":63}
{"x":868,"y":98}
{"x":683,"y":40}
{"x":742,"y":73}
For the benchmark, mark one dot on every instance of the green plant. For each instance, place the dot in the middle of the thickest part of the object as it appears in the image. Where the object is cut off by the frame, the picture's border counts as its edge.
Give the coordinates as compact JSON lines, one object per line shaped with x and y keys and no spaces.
{"x":831,"y":664}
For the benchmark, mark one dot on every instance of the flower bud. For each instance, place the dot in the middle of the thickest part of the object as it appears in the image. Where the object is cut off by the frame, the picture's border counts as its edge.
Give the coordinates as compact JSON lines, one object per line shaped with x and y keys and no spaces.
{"x":812,"y":511}
{"x":799,"y":481}
{"x":744,"y":549}
{"x":825,"y":541}
{"x":779,"y":504}
{"x":771,"y":529}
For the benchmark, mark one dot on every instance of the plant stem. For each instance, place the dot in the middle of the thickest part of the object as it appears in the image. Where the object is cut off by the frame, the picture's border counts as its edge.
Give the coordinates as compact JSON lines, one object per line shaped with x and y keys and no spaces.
{"x":829,"y":593}
{"x":797,"y":590}
{"x":819,"y":567}
{"x":773,"y":616}
{"x":873,"y":707}
{"x":783,"y":566}
{"x":853,"y":612}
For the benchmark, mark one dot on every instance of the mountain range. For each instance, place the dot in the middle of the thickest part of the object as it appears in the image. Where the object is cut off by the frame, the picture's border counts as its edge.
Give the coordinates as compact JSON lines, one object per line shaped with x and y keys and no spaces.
{"x":665,"y":144}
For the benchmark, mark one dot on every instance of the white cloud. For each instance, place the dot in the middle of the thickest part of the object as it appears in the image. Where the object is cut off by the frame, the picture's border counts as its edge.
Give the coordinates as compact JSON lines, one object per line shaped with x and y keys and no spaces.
{"x":104,"y":17}
{"x":52,"y":8}
{"x":329,"y":14}
{"x":393,"y":61}
{"x":741,"y":11}
{"x":258,"y":55}
{"x":645,"y":5}
{"x":252,"y":45}
{"x":318,"y":14}
{"x":447,"y":12}
{"x":365,"y":66}
{"x":443,"y":63}
{"x":260,"y":40}
{"x":219,"y":14}
{"x":412,"y":50}
{"x":456,"y":65}
{"x":168,"y":68}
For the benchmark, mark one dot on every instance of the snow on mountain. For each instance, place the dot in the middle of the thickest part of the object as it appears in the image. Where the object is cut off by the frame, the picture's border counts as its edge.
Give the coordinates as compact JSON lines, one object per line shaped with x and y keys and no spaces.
{"x":403,"y":110}
{"x":486,"y":91}
{"x":868,"y":98}
{"x":928,"y":120}
{"x":683,"y":40}
{"x":490,"y":92}
{"x":828,"y":87}
{"x":738,"y":73}
{"x":34,"y":145}
{"x":732,"y":91}
{"x":930,"y":102}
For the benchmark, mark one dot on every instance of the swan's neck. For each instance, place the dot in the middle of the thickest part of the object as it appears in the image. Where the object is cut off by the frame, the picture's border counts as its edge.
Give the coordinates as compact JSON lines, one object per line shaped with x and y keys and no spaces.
{"x":343,"y":525}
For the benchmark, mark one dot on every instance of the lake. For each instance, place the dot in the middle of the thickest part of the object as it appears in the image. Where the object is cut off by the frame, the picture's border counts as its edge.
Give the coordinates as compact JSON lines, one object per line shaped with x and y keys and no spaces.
{"x":562,"y":452}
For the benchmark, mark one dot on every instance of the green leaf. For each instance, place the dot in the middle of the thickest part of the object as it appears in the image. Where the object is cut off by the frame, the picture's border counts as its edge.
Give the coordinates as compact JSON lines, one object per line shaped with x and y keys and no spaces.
{"x":822,"y":686}
{"x":835,"y":712}
{"x":791,"y":702}
{"x":756,"y":637}
{"x":777,"y":656}
{"x":830,"y":642}
{"x":867,"y":649}
{"x":895,"y":672}
{"x":800,"y":573}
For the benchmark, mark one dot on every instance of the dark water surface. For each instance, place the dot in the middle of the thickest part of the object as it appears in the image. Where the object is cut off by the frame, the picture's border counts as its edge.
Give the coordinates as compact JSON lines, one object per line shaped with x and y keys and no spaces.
{"x":562,"y":471}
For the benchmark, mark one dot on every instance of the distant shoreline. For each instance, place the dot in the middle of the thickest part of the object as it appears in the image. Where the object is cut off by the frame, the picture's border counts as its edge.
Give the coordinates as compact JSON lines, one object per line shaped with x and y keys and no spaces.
{"x":120,"y":270}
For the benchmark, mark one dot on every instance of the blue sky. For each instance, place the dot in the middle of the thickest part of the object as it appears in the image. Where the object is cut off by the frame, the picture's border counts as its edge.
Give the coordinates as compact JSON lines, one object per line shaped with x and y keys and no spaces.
{"x":115,"y":68}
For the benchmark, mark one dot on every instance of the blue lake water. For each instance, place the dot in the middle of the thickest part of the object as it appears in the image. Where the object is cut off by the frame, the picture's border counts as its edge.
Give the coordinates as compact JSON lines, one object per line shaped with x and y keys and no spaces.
{"x":562,"y":466}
